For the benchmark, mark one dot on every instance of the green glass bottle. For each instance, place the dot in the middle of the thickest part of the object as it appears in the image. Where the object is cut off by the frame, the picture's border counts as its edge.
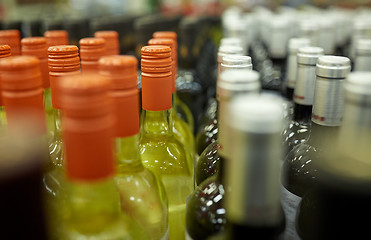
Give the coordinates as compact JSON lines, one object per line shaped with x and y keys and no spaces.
{"x":143,"y":196}
{"x":92,"y":202}
{"x":161,"y":152}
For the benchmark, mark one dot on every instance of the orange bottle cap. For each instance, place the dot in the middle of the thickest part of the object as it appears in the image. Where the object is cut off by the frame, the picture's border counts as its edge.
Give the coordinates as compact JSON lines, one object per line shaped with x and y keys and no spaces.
{"x":121,"y":69}
{"x":4,"y":51}
{"x":112,"y":41}
{"x":11,"y":37}
{"x":165,"y":34}
{"x":87,"y":126}
{"x":91,"y":49}
{"x":56,"y":37}
{"x":156,"y":58}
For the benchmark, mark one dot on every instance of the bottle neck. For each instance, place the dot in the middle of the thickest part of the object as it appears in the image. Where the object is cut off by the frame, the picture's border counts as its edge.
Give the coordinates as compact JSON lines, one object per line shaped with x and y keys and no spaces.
{"x":156,"y":123}
{"x":302,"y":113}
{"x":305,"y":84}
{"x":127,"y":154}
{"x":323,"y":137}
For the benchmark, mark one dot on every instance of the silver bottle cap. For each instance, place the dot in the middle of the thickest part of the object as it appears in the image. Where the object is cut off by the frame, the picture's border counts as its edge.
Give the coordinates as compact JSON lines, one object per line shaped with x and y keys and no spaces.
{"x":257,"y":113}
{"x":231,"y":41}
{"x":296,"y":43}
{"x":363,"y":47}
{"x":236,"y":61}
{"x":309,"y":55}
{"x":330,"y":66}
{"x":229,"y":50}
{"x":358,"y":87}
{"x":234,"y":81}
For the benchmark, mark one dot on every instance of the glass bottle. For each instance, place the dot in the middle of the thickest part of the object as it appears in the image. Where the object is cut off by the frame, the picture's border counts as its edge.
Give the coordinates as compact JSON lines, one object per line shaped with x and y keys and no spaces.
{"x":143,"y":196}
{"x":342,"y":190}
{"x":363,"y":55}
{"x":205,"y":210}
{"x":161,"y":152}
{"x":4,"y":52}
{"x":182,"y":129}
{"x":207,"y":132}
{"x":298,"y":128}
{"x":179,"y":106}
{"x":56,"y":37}
{"x":91,"y":49}
{"x":92,"y":206}
{"x":298,"y":169}
{"x":252,"y":199}
{"x":291,"y":66}
{"x":11,"y":37}
{"x":112,"y":41}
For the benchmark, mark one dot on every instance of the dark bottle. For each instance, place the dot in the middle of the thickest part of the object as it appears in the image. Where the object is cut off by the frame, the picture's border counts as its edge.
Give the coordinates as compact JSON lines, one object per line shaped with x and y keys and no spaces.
{"x":298,"y":170}
{"x":342,"y":192}
{"x":291,"y":65}
{"x":298,"y":129}
{"x":207,"y":199}
{"x":252,"y":199}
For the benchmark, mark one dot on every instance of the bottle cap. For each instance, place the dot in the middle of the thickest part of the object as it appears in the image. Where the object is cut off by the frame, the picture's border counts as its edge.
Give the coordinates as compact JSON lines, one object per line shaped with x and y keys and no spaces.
{"x":228,"y":50}
{"x":34,"y":46}
{"x":4,"y":51}
{"x":11,"y":37}
{"x":236,"y":61}
{"x":231,"y":41}
{"x":330,"y":66}
{"x":363,"y":47}
{"x":122,"y":70}
{"x":257,"y":113}
{"x":56,"y":37}
{"x":112,"y":41}
{"x":63,"y":58}
{"x":296,"y":43}
{"x":91,"y":49}
{"x":309,"y":55}
{"x":165,"y":34}
{"x":358,"y":86}
{"x":156,"y":58}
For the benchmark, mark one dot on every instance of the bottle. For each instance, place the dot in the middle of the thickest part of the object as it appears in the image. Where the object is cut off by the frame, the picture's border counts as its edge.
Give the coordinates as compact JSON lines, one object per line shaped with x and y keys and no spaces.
{"x":298,"y":169}
{"x":11,"y":37}
{"x":208,"y":132}
{"x":182,"y":130}
{"x":298,"y":128}
{"x":4,"y":52}
{"x":143,"y":196}
{"x":161,"y":152}
{"x":181,"y":108}
{"x":92,"y":205}
{"x":205,"y":210}
{"x":112,"y":41}
{"x":362,"y":55}
{"x":56,"y":37}
{"x":342,"y":189}
{"x":252,"y":200}
{"x":91,"y":49}
{"x":291,"y":66}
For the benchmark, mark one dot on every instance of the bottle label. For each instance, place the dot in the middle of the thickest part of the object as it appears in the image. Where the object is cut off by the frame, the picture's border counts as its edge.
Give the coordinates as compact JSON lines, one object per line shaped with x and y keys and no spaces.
{"x":166,"y":236}
{"x":291,"y":70}
{"x":290,"y":203}
{"x":304,"y":88}
{"x":328,"y":102}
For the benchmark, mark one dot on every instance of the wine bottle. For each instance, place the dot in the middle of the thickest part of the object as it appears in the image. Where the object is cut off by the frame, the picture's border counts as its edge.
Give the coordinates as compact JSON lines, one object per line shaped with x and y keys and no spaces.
{"x":161,"y":152}
{"x":298,"y":128}
{"x":205,"y":210}
{"x":291,"y":66}
{"x":11,"y":37}
{"x":252,"y":199}
{"x":56,"y":37}
{"x":298,"y":169}
{"x":91,"y":49}
{"x":183,"y":129}
{"x":342,"y":187}
{"x":92,"y":201}
{"x":4,"y":52}
{"x":362,"y":55}
{"x":112,"y":41}
{"x":143,"y":196}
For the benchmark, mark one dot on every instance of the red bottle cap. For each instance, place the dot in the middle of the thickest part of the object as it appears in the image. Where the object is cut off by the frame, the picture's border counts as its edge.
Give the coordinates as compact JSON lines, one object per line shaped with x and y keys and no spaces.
{"x":91,"y":49}
{"x":112,"y":41}
{"x":56,"y":37}
{"x":12,"y":38}
{"x":122,"y":72}
{"x":4,"y":51}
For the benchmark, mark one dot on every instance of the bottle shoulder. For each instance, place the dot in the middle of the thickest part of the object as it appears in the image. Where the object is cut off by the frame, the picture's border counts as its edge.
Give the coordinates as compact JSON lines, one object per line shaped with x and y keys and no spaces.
{"x":208,"y":163}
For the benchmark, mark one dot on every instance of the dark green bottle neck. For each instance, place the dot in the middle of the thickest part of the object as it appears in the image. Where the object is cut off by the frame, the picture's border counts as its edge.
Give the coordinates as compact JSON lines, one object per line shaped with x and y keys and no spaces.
{"x":302,"y":113}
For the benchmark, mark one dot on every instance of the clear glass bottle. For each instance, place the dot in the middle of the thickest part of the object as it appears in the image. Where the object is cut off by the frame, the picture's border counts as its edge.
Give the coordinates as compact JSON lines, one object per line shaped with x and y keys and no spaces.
{"x":342,"y":187}
{"x":298,"y":128}
{"x":205,"y":210}
{"x":92,"y":202}
{"x":298,"y":169}
{"x":252,"y":199}
{"x":4,"y":52}
{"x":161,"y":152}
{"x":143,"y":196}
